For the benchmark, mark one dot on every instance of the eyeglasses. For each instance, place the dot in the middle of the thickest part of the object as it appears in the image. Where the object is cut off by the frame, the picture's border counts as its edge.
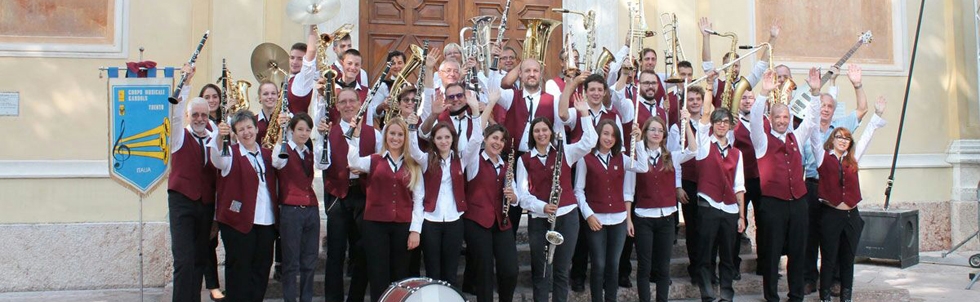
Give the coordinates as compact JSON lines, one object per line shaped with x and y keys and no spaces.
{"x":408,"y":100}
{"x":843,"y":138}
{"x":723,"y":121}
{"x":453,"y":97}
{"x":450,"y":71}
{"x":649,"y":83}
{"x":655,"y":130}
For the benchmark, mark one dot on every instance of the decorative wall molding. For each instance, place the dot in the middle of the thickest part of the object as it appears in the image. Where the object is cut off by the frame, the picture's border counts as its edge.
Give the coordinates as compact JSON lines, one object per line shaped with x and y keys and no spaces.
{"x":905,"y":161}
{"x":964,"y":155}
{"x":27,"y":169}
{"x":117,"y":49}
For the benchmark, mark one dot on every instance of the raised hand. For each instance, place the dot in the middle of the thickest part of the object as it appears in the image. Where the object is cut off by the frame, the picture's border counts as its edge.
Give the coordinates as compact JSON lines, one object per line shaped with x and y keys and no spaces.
{"x":636,"y":133}
{"x":854,"y":74}
{"x":439,"y":103}
{"x":774,"y":29}
{"x":814,"y":80}
{"x":705,"y":26}
{"x":581,"y":105}
{"x":189,"y":70}
{"x":224,"y":129}
{"x":323,"y":126}
{"x":834,"y":72}
{"x":880,"y":105}
{"x":434,"y":56}
{"x":769,"y":81}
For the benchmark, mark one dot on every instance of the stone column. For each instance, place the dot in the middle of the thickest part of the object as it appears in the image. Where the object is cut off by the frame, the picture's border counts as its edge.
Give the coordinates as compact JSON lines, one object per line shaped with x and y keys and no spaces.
{"x":964,"y":155}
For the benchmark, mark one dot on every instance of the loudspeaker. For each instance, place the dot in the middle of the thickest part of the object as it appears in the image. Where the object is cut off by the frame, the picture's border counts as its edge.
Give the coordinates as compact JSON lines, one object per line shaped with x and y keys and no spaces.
{"x":892,"y":235}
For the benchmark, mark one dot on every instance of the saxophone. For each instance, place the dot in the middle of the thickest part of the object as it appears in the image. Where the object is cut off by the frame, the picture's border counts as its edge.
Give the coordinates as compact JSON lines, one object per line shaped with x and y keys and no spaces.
{"x":508,"y":182}
{"x":553,"y":237}
{"x":274,"y":132}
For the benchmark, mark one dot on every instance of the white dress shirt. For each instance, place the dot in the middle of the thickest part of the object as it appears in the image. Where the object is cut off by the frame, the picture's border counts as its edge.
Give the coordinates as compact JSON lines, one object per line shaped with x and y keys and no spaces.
{"x":860,"y":146}
{"x":364,"y":164}
{"x":445,"y":210}
{"x":760,"y":140}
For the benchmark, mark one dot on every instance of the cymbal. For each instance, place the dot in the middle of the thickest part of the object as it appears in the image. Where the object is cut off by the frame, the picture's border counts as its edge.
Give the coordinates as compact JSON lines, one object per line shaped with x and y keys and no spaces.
{"x":270,"y":62}
{"x":311,"y":12}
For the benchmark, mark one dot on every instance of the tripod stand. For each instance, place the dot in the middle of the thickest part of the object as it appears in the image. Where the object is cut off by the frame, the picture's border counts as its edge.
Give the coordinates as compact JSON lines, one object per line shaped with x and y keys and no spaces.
{"x":975,"y":258}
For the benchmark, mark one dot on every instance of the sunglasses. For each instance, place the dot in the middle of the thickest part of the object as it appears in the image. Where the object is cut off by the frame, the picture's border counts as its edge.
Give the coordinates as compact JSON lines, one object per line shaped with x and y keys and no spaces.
{"x":454,"y":97}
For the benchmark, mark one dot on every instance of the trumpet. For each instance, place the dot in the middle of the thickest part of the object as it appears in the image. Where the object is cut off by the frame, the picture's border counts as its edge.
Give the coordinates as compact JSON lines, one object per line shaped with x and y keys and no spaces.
{"x":183,"y":77}
{"x":674,"y":52}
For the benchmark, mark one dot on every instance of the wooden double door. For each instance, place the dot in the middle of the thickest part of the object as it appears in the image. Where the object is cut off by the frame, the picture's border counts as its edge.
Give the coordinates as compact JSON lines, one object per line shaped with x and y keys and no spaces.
{"x":388,"y":25}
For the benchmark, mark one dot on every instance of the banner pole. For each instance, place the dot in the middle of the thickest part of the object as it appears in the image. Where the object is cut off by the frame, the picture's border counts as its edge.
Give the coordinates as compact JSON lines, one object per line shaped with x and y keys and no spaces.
{"x":141,"y":248}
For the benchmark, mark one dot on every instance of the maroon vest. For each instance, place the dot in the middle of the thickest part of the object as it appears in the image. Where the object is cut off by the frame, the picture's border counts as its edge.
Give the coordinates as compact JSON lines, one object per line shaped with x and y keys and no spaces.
{"x":485,"y":198}
{"x":389,"y":199}
{"x":656,"y":188}
{"x":560,"y":82}
{"x":297,"y":103}
{"x":444,"y":117}
{"x":781,"y":169}
{"x":604,"y":187}
{"x":832,"y":187}
{"x":689,"y":169}
{"x":188,"y":173}
{"x":539,"y":178}
{"x":716,"y":98}
{"x":241,"y":185}
{"x":720,"y":184}
{"x":262,"y":127}
{"x":743,"y":142}
{"x":433,"y":181}
{"x":295,"y":185}
{"x":336,"y":178}
{"x":517,"y":116}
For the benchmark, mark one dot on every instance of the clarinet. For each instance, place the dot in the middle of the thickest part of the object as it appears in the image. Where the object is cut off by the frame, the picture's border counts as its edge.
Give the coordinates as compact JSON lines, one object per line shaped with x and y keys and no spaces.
{"x":183,"y":77}
{"x":364,"y":106}
{"x":500,"y":34}
{"x":508,"y":182}
{"x":284,"y":111}
{"x":553,"y":237}
{"x":225,"y":140}
{"x":420,"y":82}
{"x":328,"y":93}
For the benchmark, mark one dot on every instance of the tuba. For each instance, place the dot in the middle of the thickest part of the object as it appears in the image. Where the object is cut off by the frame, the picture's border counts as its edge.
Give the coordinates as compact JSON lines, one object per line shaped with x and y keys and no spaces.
{"x":536,"y":41}
{"x":674,"y":52}
{"x":401,"y":81}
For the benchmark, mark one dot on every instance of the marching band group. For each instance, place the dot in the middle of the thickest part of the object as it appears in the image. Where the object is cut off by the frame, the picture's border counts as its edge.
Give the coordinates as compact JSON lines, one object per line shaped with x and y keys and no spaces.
{"x":604,"y":162}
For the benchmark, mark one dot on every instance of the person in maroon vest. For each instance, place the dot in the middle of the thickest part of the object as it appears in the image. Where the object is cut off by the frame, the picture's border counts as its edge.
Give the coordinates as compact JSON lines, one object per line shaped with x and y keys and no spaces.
{"x":454,"y":111}
{"x":352,"y":63}
{"x":393,"y":209}
{"x":268,"y":96}
{"x":528,"y":103}
{"x":486,"y":227}
{"x":344,"y":199}
{"x":340,"y":47}
{"x":247,"y":207}
{"x":687,"y":196}
{"x":652,"y":100}
{"x":304,"y":78}
{"x":721,"y":206}
{"x":444,"y":201}
{"x":840,"y":193}
{"x":604,"y":182}
{"x":753,"y":192}
{"x":655,"y":201}
{"x":212,"y":94}
{"x":595,"y":92}
{"x":299,"y":229}
{"x":380,"y":102}
{"x":190,"y":193}
{"x":646,"y":62}
{"x":782,"y":209}
{"x":534,"y":182}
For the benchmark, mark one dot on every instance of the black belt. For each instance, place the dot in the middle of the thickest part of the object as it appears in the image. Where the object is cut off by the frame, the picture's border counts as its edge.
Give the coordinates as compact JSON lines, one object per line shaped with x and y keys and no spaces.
{"x":301,"y":207}
{"x":354,"y":182}
{"x":813,"y":180}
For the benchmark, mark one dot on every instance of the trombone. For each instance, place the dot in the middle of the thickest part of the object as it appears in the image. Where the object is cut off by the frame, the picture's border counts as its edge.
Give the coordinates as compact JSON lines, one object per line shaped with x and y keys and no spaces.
{"x":674,"y":52}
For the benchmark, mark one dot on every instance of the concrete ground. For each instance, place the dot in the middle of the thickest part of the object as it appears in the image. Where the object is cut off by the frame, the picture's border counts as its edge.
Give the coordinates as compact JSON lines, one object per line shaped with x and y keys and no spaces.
{"x":933,"y":279}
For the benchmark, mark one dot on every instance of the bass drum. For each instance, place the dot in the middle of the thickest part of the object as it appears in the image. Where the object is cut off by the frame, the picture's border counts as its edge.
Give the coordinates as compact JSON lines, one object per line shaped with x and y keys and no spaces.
{"x":421,"y":290}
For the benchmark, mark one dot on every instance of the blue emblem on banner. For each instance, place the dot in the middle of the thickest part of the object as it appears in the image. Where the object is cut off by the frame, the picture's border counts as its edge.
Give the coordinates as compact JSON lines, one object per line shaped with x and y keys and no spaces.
{"x":139,"y":137}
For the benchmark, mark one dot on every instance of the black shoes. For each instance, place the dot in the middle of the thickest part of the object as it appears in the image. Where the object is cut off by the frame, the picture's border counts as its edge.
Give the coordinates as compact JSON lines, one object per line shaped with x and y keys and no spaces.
{"x":625,"y":282}
{"x":277,"y":274}
{"x":578,"y":286}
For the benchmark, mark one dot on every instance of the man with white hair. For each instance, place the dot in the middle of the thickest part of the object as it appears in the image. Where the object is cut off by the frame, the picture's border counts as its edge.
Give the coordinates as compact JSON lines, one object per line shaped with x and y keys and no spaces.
{"x":190,"y":193}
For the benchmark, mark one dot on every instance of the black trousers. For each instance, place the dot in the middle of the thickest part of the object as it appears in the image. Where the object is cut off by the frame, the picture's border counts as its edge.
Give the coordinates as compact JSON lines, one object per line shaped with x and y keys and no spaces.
{"x":556,"y":281}
{"x":190,"y":234}
{"x":442,"y":242}
{"x":388,"y":251}
{"x":839,"y":241}
{"x":690,"y":211}
{"x":299,"y":238}
{"x":752,"y":194}
{"x":492,"y":250}
{"x":654,"y":246}
{"x":786,"y":223}
{"x":605,"y":246}
{"x":344,"y":228}
{"x":814,"y":208}
{"x":716,"y":229}
{"x":248,"y":260}
{"x":580,"y":259}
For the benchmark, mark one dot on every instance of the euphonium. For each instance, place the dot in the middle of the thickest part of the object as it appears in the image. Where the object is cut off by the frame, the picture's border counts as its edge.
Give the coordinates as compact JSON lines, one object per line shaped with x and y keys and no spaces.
{"x":674,"y":53}
{"x":401,"y":81}
{"x":536,"y":40}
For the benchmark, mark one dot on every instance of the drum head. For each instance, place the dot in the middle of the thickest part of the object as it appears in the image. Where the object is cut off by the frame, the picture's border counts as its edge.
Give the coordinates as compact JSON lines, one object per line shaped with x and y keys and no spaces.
{"x":435,"y":292}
